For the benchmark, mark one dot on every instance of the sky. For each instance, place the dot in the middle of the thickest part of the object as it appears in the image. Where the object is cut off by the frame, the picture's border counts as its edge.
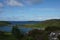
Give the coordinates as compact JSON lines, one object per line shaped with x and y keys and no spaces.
{"x":29,"y":10}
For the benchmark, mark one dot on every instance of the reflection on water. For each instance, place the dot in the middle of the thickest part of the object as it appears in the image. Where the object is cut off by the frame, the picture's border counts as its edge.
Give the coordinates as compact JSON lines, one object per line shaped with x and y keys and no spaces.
{"x":8,"y":29}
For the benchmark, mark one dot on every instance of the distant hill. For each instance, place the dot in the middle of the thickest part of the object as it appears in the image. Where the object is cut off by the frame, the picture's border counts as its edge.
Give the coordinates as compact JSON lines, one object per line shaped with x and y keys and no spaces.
{"x":24,"y":22}
{"x":46,"y":23}
{"x":20,"y":23}
{"x":33,"y":24}
{"x":51,"y":22}
{"x":4,"y":23}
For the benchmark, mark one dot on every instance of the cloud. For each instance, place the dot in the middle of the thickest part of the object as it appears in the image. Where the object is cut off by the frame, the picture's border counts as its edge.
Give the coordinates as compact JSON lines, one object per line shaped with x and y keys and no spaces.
{"x":31,"y":2}
{"x":13,"y":3}
{"x":1,"y":5}
{"x":19,"y":2}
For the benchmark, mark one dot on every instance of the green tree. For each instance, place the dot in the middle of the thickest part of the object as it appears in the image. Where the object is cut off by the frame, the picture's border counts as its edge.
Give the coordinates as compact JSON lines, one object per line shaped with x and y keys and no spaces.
{"x":17,"y":33}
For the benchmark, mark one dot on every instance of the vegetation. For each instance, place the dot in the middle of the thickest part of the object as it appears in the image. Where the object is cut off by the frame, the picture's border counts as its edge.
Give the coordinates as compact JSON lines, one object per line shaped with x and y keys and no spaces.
{"x":17,"y":33}
{"x":52,"y":28}
{"x":35,"y":34}
{"x":43,"y":24}
{"x":38,"y":24}
{"x":4,"y":23}
{"x":6,"y":36}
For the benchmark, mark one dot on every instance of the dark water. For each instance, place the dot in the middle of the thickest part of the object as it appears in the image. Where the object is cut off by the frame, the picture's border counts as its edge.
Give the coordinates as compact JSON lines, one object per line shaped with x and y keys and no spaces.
{"x":9,"y":29}
{"x":23,"y":30}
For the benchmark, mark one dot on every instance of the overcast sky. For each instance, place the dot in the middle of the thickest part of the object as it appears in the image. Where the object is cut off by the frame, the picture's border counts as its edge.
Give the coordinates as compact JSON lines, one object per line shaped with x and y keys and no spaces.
{"x":28,"y":10}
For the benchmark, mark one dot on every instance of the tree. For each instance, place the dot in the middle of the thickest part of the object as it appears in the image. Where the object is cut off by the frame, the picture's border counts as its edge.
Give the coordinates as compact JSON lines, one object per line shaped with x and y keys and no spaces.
{"x":17,"y":33}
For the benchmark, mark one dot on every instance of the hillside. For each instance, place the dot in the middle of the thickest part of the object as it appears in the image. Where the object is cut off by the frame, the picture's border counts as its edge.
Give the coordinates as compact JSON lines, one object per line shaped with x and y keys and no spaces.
{"x":51,"y":22}
{"x":4,"y":23}
{"x":46,"y":23}
{"x":33,"y":24}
